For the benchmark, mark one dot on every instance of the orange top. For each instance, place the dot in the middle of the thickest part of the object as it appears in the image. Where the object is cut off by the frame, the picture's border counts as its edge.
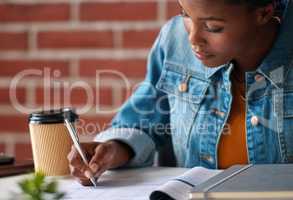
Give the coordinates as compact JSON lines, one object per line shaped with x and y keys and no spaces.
{"x":232,"y":147}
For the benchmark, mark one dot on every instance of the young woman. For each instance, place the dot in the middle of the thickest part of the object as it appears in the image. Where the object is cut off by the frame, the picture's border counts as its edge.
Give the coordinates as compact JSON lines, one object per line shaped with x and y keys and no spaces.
{"x":219,"y":81}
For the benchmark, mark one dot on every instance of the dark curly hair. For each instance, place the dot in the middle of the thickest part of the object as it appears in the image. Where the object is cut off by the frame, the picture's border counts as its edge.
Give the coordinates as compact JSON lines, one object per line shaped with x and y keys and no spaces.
{"x":256,"y":3}
{"x":278,"y":4}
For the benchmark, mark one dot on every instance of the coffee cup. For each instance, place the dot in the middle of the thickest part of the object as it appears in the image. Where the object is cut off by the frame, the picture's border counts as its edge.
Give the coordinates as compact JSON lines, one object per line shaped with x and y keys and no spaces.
{"x":51,"y":141}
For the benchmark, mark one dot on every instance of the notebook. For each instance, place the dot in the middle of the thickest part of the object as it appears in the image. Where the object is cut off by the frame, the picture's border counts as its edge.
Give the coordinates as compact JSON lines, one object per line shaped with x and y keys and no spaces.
{"x":261,"y":182}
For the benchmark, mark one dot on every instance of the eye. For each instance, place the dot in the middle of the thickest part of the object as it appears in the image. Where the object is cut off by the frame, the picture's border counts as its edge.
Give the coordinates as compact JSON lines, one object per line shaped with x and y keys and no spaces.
{"x":213,"y":29}
{"x":183,"y":13}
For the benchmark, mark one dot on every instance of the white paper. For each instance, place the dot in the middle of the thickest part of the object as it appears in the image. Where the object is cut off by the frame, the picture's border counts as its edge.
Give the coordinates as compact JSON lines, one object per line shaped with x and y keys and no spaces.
{"x":133,"y":184}
{"x":126,"y":184}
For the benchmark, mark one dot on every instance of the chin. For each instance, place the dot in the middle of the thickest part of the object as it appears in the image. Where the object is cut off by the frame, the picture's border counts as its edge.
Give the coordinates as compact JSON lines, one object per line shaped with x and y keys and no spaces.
{"x":213,"y":63}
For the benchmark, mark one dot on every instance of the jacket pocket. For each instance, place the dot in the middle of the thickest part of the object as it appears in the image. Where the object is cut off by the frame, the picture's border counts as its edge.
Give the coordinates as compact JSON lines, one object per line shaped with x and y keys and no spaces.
{"x":184,"y":104}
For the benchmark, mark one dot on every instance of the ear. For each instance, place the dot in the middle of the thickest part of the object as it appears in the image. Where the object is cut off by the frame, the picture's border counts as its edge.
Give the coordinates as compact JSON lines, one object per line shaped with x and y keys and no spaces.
{"x":264,"y":14}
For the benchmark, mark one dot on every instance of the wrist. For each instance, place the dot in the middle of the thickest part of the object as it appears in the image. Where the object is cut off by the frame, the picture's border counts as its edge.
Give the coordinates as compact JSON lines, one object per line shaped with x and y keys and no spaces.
{"x":125,"y":147}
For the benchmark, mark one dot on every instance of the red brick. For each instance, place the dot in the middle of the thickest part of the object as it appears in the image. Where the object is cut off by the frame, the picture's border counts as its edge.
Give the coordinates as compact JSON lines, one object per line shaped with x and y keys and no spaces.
{"x":122,"y":11}
{"x":129,"y":68}
{"x":75,"y":39}
{"x":12,"y":67}
{"x":34,"y":12}
{"x":173,"y":9}
{"x":15,"y":123}
{"x":23,"y":151}
{"x":105,"y":96}
{"x":93,"y":125}
{"x":13,"y":41}
{"x":101,"y":96}
{"x":2,"y":147}
{"x":81,"y":96}
{"x":56,"y":97}
{"x":126,"y":93}
{"x":139,"y":39}
{"x":77,"y":97}
{"x":5,"y":96}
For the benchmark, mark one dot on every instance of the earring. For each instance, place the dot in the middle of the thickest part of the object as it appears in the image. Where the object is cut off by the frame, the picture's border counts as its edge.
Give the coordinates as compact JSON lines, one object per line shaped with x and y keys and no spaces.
{"x":195,"y":47}
{"x":278,"y":19}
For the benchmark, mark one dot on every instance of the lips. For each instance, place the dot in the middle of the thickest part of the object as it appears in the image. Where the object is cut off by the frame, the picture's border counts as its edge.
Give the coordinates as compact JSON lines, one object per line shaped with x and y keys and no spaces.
{"x":202,"y":55}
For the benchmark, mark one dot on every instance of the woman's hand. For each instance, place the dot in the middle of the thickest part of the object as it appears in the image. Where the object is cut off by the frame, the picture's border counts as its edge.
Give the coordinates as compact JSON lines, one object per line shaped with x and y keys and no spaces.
{"x":102,"y":156}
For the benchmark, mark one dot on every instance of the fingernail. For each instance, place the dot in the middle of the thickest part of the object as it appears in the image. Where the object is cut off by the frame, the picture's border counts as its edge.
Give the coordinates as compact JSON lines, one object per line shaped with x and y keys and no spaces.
{"x":88,"y":174}
{"x":94,"y":167}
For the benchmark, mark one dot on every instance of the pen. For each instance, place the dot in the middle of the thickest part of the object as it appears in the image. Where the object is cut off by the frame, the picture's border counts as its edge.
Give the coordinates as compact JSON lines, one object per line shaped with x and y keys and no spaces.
{"x":74,"y":138}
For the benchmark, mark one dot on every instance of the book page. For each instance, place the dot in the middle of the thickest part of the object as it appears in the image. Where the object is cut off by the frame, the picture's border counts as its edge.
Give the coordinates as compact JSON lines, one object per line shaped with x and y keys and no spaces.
{"x":179,"y":187}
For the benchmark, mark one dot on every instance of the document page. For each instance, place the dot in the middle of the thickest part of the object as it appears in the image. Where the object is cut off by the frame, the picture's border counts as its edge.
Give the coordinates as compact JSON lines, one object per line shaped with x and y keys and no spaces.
{"x":123,"y":184}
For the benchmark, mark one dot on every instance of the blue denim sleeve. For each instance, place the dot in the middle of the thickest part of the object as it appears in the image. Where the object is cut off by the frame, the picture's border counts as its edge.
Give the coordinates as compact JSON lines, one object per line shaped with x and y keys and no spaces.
{"x":143,"y":120}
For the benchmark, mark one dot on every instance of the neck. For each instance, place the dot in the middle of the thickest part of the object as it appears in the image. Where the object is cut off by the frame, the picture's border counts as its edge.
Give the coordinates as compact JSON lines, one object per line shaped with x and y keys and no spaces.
{"x":262,"y":45}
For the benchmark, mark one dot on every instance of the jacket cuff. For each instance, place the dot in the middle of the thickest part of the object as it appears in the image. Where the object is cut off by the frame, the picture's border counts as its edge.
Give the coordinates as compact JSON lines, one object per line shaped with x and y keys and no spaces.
{"x":141,"y":144}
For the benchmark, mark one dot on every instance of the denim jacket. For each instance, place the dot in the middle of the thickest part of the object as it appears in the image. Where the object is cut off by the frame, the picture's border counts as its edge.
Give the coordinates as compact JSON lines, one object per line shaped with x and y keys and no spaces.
{"x":191,"y":102}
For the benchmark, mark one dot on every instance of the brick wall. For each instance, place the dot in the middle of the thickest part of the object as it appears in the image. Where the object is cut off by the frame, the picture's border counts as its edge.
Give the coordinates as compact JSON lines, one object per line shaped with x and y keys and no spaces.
{"x":51,"y":51}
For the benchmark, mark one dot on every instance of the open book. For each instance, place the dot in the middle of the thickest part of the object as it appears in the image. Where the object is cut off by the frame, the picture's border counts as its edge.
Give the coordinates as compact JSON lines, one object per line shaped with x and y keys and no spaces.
{"x":179,"y":187}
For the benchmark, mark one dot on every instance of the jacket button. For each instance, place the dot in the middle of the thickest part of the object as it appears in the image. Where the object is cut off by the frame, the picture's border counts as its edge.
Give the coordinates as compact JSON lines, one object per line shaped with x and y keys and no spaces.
{"x":182,"y":87}
{"x":258,"y":78}
{"x":210,"y":159}
{"x":219,"y":113}
{"x":207,"y":158}
{"x":254,"y":120}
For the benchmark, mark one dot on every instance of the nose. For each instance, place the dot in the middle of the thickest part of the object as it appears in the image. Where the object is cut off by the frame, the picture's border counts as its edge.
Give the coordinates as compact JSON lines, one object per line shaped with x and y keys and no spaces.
{"x":195,"y":36}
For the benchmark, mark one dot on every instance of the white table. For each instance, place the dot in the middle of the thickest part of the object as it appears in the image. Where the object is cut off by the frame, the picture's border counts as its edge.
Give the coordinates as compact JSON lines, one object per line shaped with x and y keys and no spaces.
{"x":123,"y":184}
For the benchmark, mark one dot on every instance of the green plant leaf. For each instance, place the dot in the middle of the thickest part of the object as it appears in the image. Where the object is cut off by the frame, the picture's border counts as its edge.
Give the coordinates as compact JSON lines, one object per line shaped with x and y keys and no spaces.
{"x":24,"y":186}
{"x":51,"y":187}
{"x":27,"y":186}
{"x":59,"y":195}
{"x":37,"y":188}
{"x":39,"y":179}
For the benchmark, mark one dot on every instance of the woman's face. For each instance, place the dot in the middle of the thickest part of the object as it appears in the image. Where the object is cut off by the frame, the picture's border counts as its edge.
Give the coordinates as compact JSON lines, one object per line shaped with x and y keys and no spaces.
{"x":219,"y":32}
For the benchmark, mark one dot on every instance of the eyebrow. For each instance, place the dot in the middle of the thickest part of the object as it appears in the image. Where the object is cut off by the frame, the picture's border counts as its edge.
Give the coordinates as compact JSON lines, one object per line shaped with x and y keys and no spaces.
{"x":211,"y":18}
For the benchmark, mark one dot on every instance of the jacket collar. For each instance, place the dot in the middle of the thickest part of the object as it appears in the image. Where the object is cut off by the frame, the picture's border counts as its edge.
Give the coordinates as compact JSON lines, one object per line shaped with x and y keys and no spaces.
{"x":281,"y":55}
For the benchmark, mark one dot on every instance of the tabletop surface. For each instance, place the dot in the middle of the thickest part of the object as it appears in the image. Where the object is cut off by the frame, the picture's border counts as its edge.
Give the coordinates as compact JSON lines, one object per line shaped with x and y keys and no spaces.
{"x":122,"y":184}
